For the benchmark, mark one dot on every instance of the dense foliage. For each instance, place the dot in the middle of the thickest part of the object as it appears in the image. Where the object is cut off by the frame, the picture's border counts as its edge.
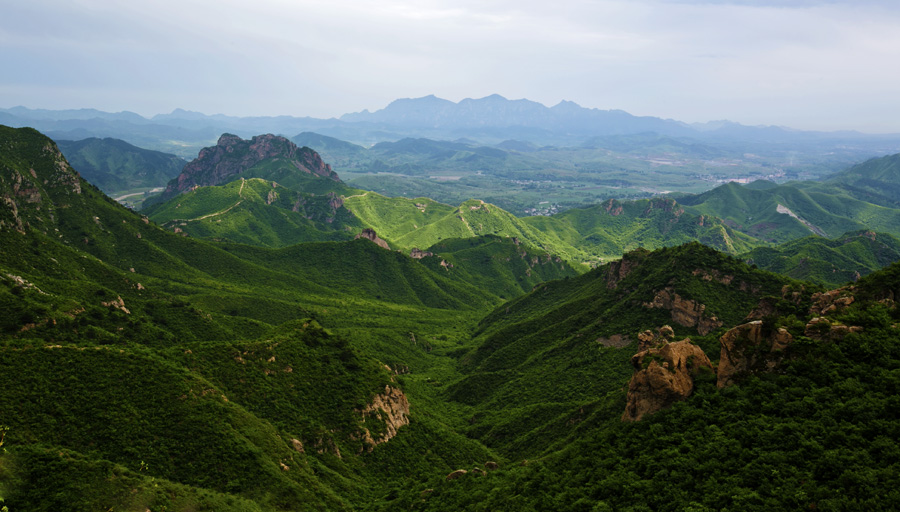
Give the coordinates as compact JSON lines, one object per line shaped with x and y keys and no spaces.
{"x":146,"y":370}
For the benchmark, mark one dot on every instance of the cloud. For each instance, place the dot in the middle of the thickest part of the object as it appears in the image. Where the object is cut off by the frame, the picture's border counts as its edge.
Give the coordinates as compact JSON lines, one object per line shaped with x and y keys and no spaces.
{"x":752,"y":61}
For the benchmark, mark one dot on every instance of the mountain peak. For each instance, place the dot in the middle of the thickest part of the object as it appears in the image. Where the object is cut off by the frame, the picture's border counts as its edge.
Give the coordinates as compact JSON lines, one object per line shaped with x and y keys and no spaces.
{"x":232,"y":155}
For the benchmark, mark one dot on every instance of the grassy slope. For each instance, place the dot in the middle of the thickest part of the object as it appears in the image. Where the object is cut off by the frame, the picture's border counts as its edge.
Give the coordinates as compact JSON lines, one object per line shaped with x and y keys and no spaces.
{"x":206,"y":303}
{"x":580,"y":235}
{"x":257,"y":212}
{"x":827,"y":209}
{"x":829,"y":262}
{"x":114,"y":165}
{"x":552,"y":335}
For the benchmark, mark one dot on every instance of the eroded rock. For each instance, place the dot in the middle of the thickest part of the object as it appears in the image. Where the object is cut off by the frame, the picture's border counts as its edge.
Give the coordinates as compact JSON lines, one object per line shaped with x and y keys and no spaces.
{"x":749,"y":348}
{"x":662,"y":377}
{"x":369,"y":234}
{"x":392,"y":408}
{"x":685,"y":312}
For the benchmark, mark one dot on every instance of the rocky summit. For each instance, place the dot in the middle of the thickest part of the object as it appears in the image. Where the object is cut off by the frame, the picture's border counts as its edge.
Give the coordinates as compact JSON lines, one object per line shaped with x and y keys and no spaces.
{"x":232,"y":155}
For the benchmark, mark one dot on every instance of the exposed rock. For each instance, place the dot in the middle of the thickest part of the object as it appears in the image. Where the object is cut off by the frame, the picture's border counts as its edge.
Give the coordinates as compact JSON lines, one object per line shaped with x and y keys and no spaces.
{"x":456,"y":474}
{"x":821,"y":328}
{"x":297,"y":445}
{"x":118,"y":303}
{"x":392,"y":407}
{"x":747,"y":348}
{"x":832,"y":301}
{"x":232,"y":156}
{"x":491,"y":465}
{"x":369,"y":234}
{"x":478,"y":472}
{"x":662,"y":377}
{"x":419,"y":254}
{"x":618,"y":270}
{"x":685,"y":312}
{"x":765,"y":307}
{"x":613,"y":207}
{"x":648,"y":339}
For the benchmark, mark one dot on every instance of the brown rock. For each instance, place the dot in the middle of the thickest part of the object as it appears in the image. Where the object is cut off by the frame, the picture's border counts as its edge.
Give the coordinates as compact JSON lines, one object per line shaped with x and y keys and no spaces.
{"x":491,"y":465}
{"x":685,"y":312}
{"x":662,"y":377}
{"x":832,"y":301}
{"x":369,"y":234}
{"x":618,"y":270}
{"x":419,"y":254}
{"x":821,"y":328}
{"x":746,"y":348}
{"x":456,"y":474}
{"x":392,"y":407}
{"x":297,"y":445}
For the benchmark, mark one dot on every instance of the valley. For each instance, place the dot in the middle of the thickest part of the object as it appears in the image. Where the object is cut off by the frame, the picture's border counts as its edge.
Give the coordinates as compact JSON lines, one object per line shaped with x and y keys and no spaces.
{"x":267,"y":335}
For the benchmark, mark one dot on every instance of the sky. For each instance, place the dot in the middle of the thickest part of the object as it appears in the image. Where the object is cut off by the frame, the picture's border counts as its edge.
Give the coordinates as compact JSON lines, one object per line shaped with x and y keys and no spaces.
{"x":805,"y":64}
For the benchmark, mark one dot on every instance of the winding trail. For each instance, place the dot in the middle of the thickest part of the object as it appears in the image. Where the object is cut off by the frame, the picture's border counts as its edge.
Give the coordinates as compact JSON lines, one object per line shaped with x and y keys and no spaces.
{"x":226,"y":210}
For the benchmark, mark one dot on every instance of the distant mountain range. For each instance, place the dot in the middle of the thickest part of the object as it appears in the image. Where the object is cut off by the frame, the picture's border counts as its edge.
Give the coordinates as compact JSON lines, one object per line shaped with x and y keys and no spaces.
{"x":492,"y":119}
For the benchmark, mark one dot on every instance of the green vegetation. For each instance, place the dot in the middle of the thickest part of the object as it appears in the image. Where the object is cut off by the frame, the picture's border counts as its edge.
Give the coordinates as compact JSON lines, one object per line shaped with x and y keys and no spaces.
{"x":826,"y":261}
{"x":143,"y":369}
{"x":118,"y":168}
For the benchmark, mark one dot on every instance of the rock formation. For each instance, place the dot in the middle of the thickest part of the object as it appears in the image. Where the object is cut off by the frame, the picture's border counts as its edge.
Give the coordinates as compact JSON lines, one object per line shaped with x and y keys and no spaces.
{"x":419,"y":254}
{"x":748,"y":348}
{"x":233,"y":155}
{"x":392,"y":408}
{"x":369,"y":234}
{"x":685,"y":312}
{"x":662,"y":377}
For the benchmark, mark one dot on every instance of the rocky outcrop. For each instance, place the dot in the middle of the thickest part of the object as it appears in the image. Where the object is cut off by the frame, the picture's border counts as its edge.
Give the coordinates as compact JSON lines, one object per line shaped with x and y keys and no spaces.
{"x":662,"y":377}
{"x":648,"y":339}
{"x":456,"y":474}
{"x":685,"y":312}
{"x":419,"y":254}
{"x":823,"y":329}
{"x":390,"y":407}
{"x":618,"y":270}
{"x":118,"y":303}
{"x":369,"y":234}
{"x":832,"y":301}
{"x":233,"y":155}
{"x":748,"y":348}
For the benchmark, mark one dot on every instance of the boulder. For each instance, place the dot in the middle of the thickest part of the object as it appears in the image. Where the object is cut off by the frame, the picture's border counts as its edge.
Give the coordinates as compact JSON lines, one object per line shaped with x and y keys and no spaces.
{"x":662,"y":377}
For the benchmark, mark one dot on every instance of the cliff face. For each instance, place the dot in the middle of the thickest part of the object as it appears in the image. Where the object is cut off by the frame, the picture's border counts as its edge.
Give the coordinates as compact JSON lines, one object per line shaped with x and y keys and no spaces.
{"x":369,"y":234}
{"x":32,"y":189}
{"x":748,"y":348}
{"x":688,"y":313}
{"x":233,"y":155}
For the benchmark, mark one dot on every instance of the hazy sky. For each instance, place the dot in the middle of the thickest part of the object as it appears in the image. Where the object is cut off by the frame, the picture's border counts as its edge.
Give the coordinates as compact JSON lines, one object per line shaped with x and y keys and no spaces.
{"x":805,"y":64}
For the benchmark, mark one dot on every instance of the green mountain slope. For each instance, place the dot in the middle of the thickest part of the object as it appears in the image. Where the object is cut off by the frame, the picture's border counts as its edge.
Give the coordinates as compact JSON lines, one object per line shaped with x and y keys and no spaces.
{"x":114,"y":165}
{"x":542,"y":359}
{"x":787,"y":212}
{"x":258,"y":212}
{"x":876,"y":181}
{"x":89,"y":284}
{"x":772,"y":441}
{"x":829,"y":262}
{"x":586,"y":236}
